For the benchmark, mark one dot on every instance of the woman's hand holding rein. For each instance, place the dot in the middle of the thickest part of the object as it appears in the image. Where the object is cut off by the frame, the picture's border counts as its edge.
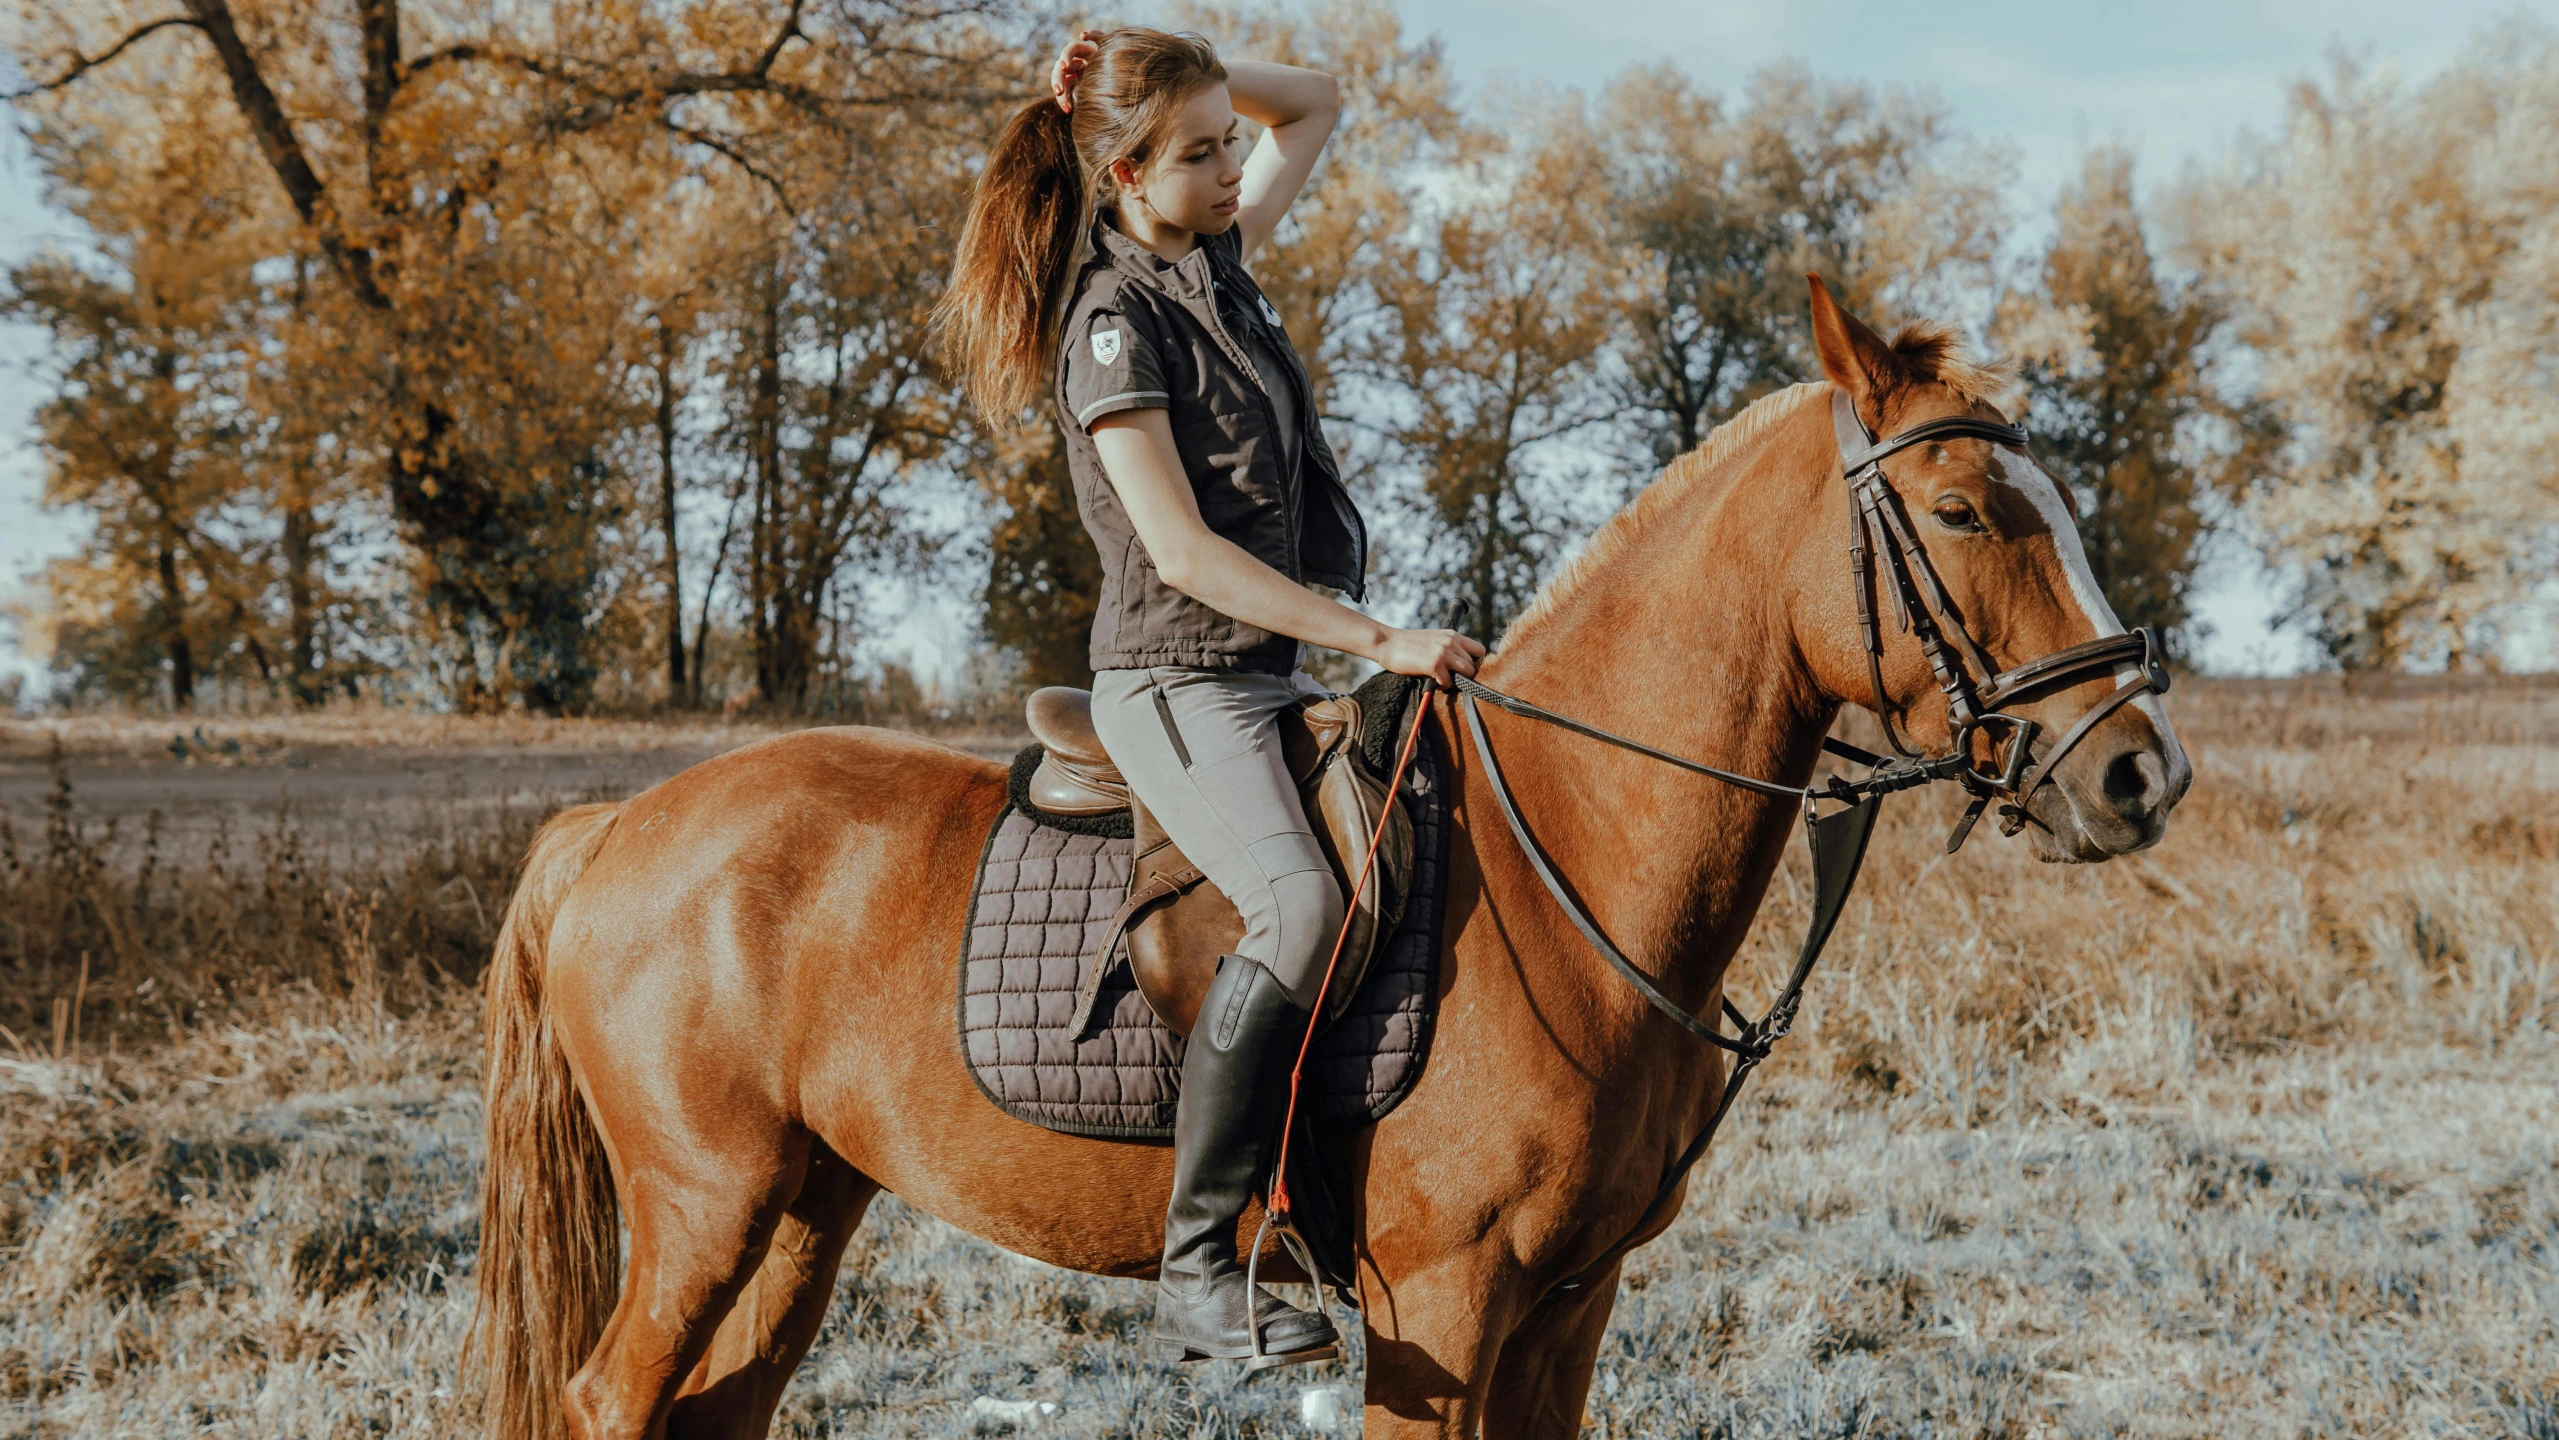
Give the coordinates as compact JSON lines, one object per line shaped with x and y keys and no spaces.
{"x":1440,"y":654}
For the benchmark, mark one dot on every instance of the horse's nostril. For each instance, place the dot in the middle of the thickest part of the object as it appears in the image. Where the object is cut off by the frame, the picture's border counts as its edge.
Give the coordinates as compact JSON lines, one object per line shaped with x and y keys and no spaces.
{"x":2135,"y":782}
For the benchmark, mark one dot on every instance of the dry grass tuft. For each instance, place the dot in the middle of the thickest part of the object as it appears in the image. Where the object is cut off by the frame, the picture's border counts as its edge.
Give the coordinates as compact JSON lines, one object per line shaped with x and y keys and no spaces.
{"x":2252,"y":1135}
{"x":115,"y":929}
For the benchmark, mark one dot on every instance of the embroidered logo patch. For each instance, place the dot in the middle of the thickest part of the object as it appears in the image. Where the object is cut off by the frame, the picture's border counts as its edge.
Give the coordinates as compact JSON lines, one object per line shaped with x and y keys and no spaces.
{"x":1106,"y":345}
{"x":1267,"y":312}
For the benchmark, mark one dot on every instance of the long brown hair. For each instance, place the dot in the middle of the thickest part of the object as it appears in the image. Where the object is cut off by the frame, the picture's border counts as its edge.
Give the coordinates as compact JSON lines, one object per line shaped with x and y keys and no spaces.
{"x":997,"y":320}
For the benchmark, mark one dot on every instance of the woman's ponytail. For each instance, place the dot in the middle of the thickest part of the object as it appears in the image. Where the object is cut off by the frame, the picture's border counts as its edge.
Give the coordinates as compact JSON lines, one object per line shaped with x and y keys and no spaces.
{"x":997,"y":320}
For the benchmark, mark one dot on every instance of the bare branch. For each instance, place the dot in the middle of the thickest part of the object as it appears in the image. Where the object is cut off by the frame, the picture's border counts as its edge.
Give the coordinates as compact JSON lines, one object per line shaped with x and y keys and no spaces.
{"x":714,"y":143}
{"x":599,"y":103}
{"x":467,"y":52}
{"x":82,"y":64}
{"x":274,"y":131}
{"x":773,"y":52}
{"x":381,"y":21}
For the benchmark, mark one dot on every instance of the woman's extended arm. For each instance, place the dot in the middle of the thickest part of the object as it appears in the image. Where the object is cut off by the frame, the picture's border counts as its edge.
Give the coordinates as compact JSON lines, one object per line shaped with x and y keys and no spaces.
{"x":1298,"y":109}
{"x":1138,"y":454}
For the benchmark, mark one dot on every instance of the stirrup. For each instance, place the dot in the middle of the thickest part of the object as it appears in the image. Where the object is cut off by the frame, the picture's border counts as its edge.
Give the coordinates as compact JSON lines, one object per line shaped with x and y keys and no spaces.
{"x":1262,"y":1359}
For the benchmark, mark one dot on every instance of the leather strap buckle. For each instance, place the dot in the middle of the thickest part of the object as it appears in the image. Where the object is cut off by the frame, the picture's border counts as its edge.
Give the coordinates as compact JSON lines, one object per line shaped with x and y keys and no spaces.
{"x":2017,"y":732}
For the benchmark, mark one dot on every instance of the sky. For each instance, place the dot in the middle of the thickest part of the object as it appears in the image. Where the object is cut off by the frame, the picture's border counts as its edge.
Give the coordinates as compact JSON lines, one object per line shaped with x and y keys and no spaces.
{"x":2177,"y":82}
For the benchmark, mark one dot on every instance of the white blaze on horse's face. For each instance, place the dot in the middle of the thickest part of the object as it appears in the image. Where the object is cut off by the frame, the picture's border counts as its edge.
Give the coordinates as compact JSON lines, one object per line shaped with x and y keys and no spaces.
{"x":2018,"y":471}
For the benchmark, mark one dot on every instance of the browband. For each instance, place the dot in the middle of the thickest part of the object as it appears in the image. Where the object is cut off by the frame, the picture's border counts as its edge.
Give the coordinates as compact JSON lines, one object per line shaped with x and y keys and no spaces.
{"x":1968,"y":427}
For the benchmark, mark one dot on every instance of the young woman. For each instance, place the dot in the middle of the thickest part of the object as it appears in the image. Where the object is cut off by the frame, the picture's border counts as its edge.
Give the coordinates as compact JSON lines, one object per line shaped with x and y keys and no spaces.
{"x":1102,"y":270}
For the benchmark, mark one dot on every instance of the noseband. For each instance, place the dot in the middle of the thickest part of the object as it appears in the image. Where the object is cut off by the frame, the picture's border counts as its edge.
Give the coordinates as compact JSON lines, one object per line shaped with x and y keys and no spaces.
{"x":2008,"y":774}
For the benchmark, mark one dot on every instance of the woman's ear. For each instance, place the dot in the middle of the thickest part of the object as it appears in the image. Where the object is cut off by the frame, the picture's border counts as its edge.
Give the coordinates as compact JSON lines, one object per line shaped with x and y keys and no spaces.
{"x":1853,"y":357}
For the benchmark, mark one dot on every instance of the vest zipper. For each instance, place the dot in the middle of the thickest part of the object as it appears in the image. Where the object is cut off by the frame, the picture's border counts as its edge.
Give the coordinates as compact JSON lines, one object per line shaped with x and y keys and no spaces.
{"x":1270,"y":423}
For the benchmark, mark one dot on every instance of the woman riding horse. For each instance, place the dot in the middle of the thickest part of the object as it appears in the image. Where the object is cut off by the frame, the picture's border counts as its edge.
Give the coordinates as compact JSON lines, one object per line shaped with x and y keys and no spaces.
{"x":720,"y":1012}
{"x":1102,"y":270}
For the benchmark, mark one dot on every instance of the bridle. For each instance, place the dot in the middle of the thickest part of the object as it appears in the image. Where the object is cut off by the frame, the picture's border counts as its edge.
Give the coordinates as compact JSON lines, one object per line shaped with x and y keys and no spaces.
{"x":1925,"y":611}
{"x":2008,"y":775}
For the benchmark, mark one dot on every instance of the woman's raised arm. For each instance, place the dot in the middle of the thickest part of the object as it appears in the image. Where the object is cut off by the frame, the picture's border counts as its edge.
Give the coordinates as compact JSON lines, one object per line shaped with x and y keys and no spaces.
{"x":1298,"y":109}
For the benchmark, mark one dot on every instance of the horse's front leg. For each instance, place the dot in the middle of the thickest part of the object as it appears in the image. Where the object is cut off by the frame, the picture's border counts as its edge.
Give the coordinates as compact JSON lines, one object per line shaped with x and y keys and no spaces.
{"x":1541,"y":1382}
{"x":1434,"y":1337}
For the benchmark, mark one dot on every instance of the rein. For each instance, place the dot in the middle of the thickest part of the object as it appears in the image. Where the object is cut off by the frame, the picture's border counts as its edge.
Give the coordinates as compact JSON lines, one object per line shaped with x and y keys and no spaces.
{"x":1838,"y":839}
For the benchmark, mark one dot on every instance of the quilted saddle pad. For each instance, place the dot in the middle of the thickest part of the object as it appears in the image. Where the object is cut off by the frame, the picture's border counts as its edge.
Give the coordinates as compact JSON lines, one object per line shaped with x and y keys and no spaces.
{"x":1044,"y":895}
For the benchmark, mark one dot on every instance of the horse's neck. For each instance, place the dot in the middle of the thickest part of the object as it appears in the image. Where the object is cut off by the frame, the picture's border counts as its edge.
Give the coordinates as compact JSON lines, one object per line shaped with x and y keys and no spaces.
{"x":1682,"y":641}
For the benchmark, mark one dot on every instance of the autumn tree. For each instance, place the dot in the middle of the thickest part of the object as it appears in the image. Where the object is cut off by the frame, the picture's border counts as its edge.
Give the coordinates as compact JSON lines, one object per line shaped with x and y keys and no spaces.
{"x":1724,"y":213}
{"x":475,"y":183}
{"x":2114,"y":382}
{"x":1497,"y":306}
{"x":834,"y":403}
{"x":2386,"y":261}
{"x":1043,"y":577}
{"x":152,"y":428}
{"x":133,"y":440}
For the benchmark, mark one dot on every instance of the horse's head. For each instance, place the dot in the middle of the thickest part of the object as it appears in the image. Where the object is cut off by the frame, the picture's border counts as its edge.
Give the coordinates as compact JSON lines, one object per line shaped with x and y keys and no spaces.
{"x":1998,"y":534}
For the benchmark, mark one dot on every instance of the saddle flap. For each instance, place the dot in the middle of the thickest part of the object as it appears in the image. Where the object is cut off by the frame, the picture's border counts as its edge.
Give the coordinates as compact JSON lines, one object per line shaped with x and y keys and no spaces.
{"x":1173,"y":945}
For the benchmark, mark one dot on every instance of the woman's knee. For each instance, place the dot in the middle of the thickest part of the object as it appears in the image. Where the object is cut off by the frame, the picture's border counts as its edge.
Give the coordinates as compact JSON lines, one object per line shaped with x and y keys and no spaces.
{"x":1309,"y":906}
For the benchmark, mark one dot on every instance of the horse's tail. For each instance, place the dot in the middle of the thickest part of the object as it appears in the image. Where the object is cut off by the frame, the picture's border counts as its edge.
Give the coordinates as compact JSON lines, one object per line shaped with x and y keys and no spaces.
{"x":550,"y":1248}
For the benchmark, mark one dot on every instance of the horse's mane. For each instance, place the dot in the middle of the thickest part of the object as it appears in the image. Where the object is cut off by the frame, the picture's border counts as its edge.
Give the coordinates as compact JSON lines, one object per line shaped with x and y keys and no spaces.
{"x":1677,"y":479}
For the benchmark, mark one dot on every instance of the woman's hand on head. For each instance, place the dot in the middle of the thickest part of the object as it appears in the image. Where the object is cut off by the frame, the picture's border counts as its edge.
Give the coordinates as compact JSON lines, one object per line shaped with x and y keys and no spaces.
{"x":1440,"y":654}
{"x":1070,"y":67}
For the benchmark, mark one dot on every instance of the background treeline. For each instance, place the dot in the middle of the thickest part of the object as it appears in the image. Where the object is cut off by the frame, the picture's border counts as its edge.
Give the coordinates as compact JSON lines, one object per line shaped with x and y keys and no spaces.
{"x":573,"y":356}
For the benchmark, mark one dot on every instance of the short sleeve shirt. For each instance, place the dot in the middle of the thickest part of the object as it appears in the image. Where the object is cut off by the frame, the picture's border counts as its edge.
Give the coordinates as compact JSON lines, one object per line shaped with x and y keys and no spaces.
{"x":1116,"y":364}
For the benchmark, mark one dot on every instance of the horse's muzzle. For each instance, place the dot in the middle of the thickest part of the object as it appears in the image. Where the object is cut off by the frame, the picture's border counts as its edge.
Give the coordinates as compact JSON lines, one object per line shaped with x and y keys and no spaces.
{"x":2114,"y":796}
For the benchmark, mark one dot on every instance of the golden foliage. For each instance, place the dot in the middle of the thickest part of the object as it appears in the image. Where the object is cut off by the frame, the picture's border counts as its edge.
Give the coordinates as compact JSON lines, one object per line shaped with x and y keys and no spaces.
{"x":2387,"y":261}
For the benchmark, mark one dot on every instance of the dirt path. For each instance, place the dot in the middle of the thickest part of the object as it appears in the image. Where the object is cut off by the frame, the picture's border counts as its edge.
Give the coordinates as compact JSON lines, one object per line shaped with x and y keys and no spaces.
{"x":337,"y":794}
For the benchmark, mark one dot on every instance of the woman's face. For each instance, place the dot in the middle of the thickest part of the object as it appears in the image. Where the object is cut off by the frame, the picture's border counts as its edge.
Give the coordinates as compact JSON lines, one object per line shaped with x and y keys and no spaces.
{"x":1194,"y":179}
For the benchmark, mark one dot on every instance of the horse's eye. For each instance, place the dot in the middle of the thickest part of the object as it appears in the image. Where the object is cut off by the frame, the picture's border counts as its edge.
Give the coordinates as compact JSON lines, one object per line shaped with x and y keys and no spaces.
{"x":1956,"y":515}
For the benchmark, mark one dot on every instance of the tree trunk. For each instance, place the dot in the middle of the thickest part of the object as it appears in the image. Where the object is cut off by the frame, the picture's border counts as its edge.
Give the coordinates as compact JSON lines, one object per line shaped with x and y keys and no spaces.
{"x":173,"y":632}
{"x":776,"y":631}
{"x":675,"y":693}
{"x":301,"y":653}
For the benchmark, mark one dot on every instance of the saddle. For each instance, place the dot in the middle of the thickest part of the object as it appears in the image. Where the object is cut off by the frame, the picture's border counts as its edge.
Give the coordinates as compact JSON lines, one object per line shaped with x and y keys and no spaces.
{"x":1175,"y":922}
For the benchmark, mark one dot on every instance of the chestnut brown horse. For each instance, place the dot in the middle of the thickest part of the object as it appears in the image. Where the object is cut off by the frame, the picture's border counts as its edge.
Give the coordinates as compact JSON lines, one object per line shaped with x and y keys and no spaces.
{"x":720,"y":1011}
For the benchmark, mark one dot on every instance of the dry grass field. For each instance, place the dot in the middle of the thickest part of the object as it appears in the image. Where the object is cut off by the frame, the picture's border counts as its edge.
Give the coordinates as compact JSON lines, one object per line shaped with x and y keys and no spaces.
{"x":2253,"y":1135}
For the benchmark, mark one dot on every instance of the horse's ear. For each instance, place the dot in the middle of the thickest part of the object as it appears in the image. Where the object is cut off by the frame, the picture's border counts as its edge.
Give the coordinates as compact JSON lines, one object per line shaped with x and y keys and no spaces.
{"x":1853,"y":357}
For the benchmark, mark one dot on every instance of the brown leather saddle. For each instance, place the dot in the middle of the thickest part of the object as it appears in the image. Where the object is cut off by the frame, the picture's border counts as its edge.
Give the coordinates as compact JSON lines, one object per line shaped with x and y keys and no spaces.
{"x":1175,"y":923}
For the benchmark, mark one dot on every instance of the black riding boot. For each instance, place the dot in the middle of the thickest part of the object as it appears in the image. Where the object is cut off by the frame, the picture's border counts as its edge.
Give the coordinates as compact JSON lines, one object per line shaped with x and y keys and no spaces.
{"x":1232,"y":1080}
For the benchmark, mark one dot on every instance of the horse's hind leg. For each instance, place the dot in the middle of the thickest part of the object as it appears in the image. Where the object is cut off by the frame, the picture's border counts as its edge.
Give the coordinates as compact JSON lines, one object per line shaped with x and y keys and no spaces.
{"x":734,"y":1388}
{"x":701,"y":1212}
